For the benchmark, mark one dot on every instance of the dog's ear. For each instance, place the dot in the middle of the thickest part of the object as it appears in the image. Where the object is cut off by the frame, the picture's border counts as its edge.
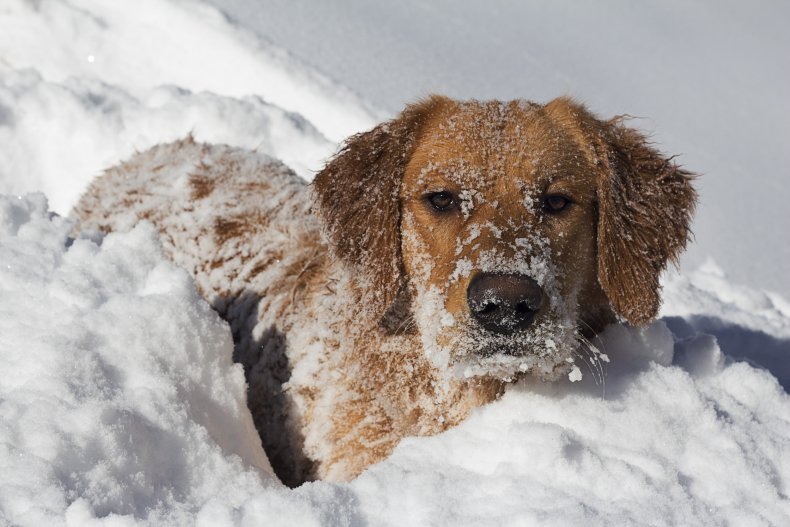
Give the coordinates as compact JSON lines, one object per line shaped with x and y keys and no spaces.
{"x":357,"y":195}
{"x":645,"y":205}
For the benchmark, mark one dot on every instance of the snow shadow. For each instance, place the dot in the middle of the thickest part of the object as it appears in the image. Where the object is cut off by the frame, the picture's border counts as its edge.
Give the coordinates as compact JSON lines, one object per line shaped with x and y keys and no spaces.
{"x":616,"y":359}
{"x":698,"y":344}
{"x":739,"y":343}
{"x":266,"y":369}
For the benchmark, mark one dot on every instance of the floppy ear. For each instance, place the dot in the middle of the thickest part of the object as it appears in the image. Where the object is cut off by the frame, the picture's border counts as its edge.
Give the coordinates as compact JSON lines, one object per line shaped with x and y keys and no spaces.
{"x":357,"y":195}
{"x":645,"y":207}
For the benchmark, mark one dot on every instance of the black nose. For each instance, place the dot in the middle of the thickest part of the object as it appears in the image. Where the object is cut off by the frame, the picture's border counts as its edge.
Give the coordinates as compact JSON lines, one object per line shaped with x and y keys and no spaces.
{"x":504,"y":303}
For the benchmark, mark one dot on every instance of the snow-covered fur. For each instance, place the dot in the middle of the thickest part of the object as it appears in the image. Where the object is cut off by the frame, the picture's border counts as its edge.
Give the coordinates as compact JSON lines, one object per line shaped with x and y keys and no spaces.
{"x":348,"y":302}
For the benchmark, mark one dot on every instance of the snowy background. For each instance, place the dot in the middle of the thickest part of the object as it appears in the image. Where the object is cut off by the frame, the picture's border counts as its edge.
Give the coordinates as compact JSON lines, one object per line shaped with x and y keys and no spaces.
{"x":118,"y":402}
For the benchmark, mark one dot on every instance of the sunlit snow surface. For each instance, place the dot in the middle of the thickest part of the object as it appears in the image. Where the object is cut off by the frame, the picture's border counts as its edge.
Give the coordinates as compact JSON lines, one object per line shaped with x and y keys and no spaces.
{"x":118,"y":401}
{"x":84,"y":84}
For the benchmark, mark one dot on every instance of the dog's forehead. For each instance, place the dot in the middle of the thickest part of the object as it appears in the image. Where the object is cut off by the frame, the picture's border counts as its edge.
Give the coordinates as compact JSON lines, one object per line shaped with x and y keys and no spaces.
{"x":476,"y":144}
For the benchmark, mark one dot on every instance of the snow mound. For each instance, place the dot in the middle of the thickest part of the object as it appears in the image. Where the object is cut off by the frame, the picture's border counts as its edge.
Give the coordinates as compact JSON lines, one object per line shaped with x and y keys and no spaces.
{"x":748,"y":324}
{"x":84,"y":83}
{"x":118,"y":395}
{"x":119,"y":406}
{"x":37,"y":127}
{"x":150,"y":43}
{"x":676,"y":434}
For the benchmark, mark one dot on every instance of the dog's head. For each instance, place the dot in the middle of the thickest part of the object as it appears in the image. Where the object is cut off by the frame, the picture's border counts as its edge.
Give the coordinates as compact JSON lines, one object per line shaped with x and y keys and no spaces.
{"x":508,"y":229}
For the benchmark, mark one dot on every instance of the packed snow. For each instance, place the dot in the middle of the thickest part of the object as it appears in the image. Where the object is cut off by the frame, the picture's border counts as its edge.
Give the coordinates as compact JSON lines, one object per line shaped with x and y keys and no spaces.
{"x":119,"y":403}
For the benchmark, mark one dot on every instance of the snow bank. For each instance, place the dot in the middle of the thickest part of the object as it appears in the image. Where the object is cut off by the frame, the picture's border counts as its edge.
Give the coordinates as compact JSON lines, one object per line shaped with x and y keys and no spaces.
{"x":150,"y":43}
{"x":117,"y":394}
{"x":119,"y":405}
{"x":83,"y":84}
{"x":44,"y":150}
{"x":748,"y":324}
{"x":657,"y":445}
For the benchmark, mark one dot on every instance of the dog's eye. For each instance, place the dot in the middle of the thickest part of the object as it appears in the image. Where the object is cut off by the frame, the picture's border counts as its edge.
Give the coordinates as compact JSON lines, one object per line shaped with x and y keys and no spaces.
{"x":555,"y":203}
{"x":441,"y":201}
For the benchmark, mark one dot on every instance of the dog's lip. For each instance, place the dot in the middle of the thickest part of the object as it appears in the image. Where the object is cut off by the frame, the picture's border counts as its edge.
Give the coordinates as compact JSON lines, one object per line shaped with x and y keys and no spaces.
{"x":517,"y":343}
{"x":510,"y":349}
{"x":490,"y":343}
{"x":509,"y":327}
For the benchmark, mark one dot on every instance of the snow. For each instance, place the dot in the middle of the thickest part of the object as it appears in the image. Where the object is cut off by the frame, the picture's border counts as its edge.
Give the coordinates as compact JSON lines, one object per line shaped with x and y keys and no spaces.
{"x":119,"y":404}
{"x":172,"y":42}
{"x":747,"y":324}
{"x":117,"y":378}
{"x":62,"y":160}
{"x":229,"y":86}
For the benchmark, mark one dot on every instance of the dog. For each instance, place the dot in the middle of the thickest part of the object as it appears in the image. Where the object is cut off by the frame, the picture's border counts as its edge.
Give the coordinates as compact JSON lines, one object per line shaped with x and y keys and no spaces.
{"x":436,"y":258}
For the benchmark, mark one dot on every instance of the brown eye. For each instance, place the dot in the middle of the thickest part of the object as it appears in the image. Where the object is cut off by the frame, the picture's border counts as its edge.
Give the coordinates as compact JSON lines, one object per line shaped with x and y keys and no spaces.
{"x":555,"y":203}
{"x":441,"y":201}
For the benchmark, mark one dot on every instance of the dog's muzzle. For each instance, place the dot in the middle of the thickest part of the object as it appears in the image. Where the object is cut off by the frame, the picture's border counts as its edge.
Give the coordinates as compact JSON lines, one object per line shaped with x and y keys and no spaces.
{"x":504,"y":303}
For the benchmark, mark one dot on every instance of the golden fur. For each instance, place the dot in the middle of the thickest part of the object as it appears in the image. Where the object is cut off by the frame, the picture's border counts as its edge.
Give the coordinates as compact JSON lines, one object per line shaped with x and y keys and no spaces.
{"x":352,"y":319}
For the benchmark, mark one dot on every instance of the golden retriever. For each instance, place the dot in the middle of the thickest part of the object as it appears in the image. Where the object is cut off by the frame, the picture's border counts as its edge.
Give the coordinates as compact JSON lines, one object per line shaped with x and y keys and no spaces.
{"x":437,"y":257}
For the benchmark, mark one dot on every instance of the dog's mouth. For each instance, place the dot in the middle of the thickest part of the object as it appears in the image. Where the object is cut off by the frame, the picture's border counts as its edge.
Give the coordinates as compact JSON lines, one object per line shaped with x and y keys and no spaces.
{"x":544,"y":350}
{"x":468,"y":348}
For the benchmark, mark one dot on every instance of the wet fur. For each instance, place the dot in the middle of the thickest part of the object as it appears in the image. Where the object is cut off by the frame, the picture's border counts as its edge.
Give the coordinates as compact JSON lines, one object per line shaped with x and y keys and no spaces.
{"x":322,"y":301}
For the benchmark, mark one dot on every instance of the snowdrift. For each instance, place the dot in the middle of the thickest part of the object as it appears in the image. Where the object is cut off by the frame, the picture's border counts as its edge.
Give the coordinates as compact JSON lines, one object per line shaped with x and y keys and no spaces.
{"x":84,"y":84}
{"x":120,"y":405}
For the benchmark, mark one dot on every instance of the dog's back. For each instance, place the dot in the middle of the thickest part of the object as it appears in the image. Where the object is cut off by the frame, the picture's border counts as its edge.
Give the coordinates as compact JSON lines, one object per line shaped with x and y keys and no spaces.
{"x":239,"y":222}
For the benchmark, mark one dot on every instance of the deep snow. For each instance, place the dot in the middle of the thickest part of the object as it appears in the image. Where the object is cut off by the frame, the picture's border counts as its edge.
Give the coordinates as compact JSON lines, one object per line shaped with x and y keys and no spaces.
{"x":84,"y":62}
{"x":118,"y":401}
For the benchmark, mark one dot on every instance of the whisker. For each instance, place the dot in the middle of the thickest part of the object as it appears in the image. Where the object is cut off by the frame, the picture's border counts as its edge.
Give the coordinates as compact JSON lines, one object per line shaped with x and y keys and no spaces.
{"x":603,"y":345}
{"x":587,"y":362}
{"x":598,"y":357}
{"x":595,"y":358}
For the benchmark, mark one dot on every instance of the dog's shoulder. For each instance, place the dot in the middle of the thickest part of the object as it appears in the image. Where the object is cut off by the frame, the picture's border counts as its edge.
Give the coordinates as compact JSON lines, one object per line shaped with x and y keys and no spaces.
{"x":236,"y":219}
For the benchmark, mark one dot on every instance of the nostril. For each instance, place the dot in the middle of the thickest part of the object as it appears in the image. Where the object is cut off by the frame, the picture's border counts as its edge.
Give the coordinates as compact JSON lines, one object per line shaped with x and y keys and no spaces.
{"x":523,"y":308}
{"x":488,"y":308}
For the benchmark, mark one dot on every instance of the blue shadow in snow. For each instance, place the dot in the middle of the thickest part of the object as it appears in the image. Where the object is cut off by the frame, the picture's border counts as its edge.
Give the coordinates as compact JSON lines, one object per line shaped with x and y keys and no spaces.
{"x":739,"y":343}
